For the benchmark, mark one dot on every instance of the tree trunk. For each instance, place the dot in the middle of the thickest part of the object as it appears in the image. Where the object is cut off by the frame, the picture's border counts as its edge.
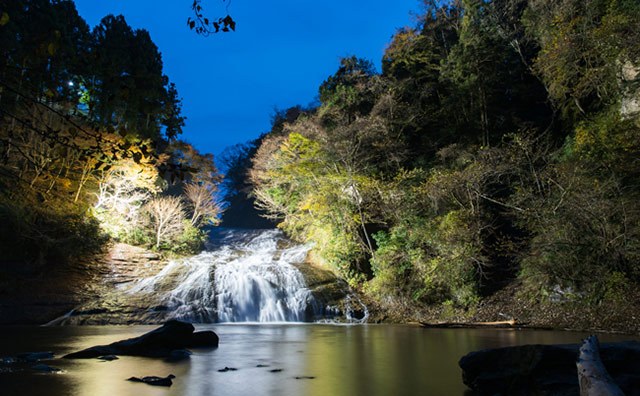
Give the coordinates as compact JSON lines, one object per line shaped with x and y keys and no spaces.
{"x":592,"y":375}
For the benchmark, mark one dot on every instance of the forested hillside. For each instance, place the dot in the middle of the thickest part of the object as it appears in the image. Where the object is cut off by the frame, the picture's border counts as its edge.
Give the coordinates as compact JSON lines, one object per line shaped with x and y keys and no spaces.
{"x":88,"y":148}
{"x":500,"y":144}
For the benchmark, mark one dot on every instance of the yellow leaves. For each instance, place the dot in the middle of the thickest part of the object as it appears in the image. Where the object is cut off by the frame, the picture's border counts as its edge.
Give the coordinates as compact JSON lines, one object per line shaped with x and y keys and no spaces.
{"x":4,"y":19}
{"x":299,"y":147}
{"x":313,"y":203}
{"x":66,"y":183}
{"x":51,"y":49}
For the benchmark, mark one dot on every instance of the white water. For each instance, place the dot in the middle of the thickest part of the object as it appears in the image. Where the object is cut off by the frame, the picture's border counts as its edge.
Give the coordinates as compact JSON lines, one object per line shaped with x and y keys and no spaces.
{"x":245,"y":276}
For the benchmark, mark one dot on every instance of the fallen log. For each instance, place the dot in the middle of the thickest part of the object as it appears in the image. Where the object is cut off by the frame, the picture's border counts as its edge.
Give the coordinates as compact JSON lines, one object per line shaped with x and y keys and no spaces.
{"x":592,"y":375}
{"x":469,"y":325}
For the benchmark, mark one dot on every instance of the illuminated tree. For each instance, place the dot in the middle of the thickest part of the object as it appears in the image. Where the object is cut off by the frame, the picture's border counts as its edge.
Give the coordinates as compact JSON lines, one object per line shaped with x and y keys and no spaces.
{"x":204,"y":208}
{"x":166,"y":218}
{"x":122,"y":190}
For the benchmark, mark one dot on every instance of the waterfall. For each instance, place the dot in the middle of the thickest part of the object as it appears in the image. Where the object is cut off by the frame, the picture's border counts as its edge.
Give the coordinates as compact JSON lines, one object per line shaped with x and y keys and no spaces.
{"x":243,"y":276}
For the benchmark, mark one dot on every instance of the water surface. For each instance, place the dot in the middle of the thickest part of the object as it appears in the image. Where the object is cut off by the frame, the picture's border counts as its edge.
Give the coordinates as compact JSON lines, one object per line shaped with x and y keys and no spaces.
{"x":342,"y":359}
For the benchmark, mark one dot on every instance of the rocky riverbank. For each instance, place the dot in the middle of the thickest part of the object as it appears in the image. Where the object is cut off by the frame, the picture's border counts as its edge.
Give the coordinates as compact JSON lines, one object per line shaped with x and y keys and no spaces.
{"x":39,"y":296}
{"x":621,"y":315}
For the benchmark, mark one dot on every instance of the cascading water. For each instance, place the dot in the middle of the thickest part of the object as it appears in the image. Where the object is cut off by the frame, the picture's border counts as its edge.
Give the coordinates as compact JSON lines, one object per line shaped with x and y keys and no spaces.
{"x":242,"y":276}
{"x":260,"y":287}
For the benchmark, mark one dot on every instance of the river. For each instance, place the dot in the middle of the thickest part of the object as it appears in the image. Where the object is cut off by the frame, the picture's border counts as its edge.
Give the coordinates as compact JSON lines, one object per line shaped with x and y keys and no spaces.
{"x":327,"y":359}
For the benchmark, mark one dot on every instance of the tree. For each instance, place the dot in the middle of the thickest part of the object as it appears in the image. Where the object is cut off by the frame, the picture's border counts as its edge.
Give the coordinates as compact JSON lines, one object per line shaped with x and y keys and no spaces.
{"x":351,"y":72}
{"x":123,"y":189}
{"x":166,"y":218}
{"x":193,"y":165}
{"x":126,"y":85}
{"x":204,"y":208}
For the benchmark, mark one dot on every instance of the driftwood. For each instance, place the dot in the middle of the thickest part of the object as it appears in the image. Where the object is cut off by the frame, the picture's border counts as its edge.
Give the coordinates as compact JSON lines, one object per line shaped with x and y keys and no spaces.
{"x":592,"y":375}
{"x":470,"y":325}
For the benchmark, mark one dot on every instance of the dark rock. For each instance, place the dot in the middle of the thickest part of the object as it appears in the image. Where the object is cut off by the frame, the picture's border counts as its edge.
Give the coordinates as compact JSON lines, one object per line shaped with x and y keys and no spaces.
{"x":224,"y":370}
{"x":304,"y":377}
{"x":108,"y":358}
{"x":358,"y":314}
{"x":34,"y":356}
{"x":262,"y":365}
{"x":93,"y":311}
{"x":173,"y":335}
{"x":156,"y":381}
{"x":276,"y":370}
{"x":328,"y":291}
{"x":179,"y":354}
{"x":43,"y":367}
{"x":546,"y":369}
{"x":204,"y":339}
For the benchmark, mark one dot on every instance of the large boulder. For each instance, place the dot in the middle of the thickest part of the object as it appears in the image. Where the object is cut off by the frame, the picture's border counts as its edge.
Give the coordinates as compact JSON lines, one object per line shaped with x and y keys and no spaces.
{"x":546,"y":369}
{"x":328,"y":291}
{"x":161,"y":342}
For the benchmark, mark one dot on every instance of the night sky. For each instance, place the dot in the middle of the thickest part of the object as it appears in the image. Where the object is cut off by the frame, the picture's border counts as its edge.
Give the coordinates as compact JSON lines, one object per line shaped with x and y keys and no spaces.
{"x":281,"y":52}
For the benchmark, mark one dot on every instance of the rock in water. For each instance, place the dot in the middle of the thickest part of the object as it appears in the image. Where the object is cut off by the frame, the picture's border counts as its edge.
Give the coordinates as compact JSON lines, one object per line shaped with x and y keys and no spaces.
{"x":204,"y":339}
{"x":546,"y":369}
{"x":44,"y":368}
{"x":108,"y":358}
{"x":156,"y":381}
{"x":179,"y":354}
{"x":524,"y":370}
{"x":161,"y":342}
{"x":34,"y":356}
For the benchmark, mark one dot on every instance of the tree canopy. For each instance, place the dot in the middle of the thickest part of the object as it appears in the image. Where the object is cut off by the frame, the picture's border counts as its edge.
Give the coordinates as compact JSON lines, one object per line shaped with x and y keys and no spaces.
{"x":88,"y":128}
{"x":499,"y":144}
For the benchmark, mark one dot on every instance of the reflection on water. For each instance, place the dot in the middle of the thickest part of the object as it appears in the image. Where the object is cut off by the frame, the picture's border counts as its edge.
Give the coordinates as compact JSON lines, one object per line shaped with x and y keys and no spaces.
{"x":344,"y":360}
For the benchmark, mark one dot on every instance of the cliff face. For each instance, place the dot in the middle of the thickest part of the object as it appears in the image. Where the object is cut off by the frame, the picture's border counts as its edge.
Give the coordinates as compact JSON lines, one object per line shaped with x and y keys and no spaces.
{"x":40,"y":297}
{"x":629,"y":82}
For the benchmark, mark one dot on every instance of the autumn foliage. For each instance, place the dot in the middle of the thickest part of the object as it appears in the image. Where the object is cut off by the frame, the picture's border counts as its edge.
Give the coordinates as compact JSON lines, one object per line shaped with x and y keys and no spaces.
{"x":88,"y":129}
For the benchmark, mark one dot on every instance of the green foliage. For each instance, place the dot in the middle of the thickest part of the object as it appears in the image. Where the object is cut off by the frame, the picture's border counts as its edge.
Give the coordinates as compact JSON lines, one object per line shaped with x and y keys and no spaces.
{"x":190,"y":241}
{"x":583,"y":45}
{"x":352,"y":71}
{"x":34,"y":235}
{"x":583,"y":228}
{"x":500,"y":142}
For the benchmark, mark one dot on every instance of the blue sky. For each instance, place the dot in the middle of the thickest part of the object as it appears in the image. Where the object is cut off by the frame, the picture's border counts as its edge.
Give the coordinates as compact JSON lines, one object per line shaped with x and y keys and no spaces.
{"x":281,"y":52}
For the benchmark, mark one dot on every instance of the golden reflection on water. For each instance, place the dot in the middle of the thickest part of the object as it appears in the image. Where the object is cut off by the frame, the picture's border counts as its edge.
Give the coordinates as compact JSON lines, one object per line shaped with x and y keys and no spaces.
{"x":343,"y":360}
{"x":383,"y":360}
